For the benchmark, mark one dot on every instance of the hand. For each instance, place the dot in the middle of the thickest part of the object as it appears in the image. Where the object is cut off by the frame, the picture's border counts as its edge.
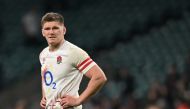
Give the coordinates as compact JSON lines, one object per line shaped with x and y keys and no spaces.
{"x":69,"y":101}
{"x":43,"y":103}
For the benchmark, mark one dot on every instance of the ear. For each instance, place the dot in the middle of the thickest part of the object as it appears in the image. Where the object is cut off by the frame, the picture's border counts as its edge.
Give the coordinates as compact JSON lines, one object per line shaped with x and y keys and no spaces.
{"x":43,"y":33}
{"x":64,"y":30}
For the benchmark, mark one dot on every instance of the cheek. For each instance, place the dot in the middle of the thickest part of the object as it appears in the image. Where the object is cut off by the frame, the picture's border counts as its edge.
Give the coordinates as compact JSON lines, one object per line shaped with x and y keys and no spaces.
{"x":45,"y":36}
{"x":61,"y":32}
{"x":44,"y":33}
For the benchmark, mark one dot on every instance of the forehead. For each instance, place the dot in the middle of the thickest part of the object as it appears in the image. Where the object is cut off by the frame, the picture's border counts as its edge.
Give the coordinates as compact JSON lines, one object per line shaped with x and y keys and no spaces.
{"x":52,"y":24}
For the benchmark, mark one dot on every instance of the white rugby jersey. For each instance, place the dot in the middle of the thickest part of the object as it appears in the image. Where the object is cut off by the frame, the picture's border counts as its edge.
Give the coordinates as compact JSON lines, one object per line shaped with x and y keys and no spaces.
{"x":62,"y":72}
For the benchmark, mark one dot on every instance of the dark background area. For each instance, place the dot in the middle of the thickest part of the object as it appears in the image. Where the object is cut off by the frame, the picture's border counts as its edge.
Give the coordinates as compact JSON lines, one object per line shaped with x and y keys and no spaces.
{"x":142,"y":46}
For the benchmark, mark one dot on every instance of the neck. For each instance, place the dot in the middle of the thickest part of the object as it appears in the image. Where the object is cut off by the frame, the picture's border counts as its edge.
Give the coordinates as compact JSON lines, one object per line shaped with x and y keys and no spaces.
{"x":53,"y":47}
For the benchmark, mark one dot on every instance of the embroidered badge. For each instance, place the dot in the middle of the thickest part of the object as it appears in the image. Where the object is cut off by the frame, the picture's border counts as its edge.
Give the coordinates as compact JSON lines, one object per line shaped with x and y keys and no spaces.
{"x":59,"y":59}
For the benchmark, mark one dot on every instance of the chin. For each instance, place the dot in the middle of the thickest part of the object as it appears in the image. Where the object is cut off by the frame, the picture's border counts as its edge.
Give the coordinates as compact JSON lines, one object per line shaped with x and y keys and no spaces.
{"x":52,"y":43}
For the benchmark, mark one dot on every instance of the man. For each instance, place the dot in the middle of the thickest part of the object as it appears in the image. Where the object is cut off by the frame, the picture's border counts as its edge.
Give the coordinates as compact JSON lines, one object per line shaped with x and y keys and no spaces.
{"x":62,"y":67}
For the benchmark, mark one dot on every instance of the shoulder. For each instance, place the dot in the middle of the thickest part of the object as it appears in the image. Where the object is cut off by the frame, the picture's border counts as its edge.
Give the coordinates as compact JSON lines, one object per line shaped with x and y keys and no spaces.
{"x":76,"y":54}
{"x":74,"y":49}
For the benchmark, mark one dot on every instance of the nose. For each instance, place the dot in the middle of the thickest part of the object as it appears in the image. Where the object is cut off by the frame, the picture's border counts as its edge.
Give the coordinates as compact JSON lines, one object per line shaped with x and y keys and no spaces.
{"x":51,"y":31}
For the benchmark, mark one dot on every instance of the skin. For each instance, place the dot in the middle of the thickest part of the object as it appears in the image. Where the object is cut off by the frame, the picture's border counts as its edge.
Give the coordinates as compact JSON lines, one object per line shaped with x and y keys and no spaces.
{"x":54,"y":34}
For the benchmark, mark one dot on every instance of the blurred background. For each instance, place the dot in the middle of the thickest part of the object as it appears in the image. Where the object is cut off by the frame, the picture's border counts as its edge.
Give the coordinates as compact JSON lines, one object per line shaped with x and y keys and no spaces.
{"x":143,"y":46}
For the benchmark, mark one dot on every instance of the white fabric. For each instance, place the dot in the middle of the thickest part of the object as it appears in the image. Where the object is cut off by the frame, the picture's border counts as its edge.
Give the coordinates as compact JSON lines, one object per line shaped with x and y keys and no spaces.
{"x":62,"y":72}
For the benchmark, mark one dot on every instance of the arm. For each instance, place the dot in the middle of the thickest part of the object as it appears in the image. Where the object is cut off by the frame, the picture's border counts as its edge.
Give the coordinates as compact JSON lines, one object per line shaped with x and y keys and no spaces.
{"x":43,"y":100}
{"x":43,"y":94}
{"x":97,"y":80}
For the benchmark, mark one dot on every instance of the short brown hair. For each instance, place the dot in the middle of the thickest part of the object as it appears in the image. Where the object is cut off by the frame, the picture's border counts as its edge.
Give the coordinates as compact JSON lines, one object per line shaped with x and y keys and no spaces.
{"x":51,"y":16}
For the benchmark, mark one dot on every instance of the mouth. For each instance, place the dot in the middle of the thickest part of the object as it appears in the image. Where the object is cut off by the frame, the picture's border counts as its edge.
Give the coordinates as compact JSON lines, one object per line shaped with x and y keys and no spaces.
{"x":52,"y":37}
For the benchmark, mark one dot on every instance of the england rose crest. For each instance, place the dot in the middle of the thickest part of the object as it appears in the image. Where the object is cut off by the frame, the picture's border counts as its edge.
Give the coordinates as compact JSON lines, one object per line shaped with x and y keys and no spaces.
{"x":59,"y":59}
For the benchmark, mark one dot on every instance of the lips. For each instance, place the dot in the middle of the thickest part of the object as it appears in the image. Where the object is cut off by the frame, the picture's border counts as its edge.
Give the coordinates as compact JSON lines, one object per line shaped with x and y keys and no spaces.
{"x":52,"y":37}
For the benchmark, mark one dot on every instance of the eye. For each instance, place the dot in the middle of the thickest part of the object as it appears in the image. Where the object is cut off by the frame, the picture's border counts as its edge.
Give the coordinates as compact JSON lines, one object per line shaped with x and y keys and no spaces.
{"x":47,"y":28}
{"x":55,"y":28}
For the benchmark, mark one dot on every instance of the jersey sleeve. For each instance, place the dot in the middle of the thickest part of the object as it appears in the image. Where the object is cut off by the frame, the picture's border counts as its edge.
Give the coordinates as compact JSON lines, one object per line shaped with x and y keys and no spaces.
{"x":82,"y":60}
{"x":40,"y":58}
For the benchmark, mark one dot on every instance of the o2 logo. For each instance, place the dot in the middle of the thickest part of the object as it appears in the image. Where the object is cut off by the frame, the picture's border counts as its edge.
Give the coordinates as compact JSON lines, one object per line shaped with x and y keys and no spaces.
{"x":48,"y":78}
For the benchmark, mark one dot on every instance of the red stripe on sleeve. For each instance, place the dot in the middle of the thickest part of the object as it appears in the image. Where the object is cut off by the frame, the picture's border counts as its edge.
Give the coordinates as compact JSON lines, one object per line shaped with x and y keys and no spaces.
{"x":85,"y":66}
{"x":83,"y":62}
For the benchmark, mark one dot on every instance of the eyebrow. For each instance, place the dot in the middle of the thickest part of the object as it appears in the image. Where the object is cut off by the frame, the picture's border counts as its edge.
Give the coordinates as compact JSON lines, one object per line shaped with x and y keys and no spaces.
{"x":54,"y":27}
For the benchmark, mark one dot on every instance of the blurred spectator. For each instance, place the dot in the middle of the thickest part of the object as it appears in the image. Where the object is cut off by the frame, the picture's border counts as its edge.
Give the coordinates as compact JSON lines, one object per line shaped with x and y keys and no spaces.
{"x":153,"y":106}
{"x":105,"y":103}
{"x":128,"y":80}
{"x":182,"y":86}
{"x":183,"y":105}
{"x":21,"y":104}
{"x":157,"y":95}
{"x":131,"y":103}
{"x":171,"y":80}
{"x":31,"y":26}
{"x":114,"y":87}
{"x":120,"y":91}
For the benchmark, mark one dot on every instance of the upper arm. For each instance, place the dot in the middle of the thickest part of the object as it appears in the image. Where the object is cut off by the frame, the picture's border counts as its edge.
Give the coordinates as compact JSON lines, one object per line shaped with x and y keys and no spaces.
{"x":95,"y":71}
{"x":81,"y":60}
{"x":86,"y":65}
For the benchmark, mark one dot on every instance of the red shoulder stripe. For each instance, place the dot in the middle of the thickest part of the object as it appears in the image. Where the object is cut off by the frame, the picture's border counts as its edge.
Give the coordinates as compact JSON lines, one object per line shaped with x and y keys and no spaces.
{"x":85,"y":66}
{"x":83,"y":62}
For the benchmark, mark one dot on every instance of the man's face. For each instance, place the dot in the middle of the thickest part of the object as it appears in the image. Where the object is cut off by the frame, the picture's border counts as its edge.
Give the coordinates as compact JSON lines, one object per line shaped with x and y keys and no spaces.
{"x":53,"y":32}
